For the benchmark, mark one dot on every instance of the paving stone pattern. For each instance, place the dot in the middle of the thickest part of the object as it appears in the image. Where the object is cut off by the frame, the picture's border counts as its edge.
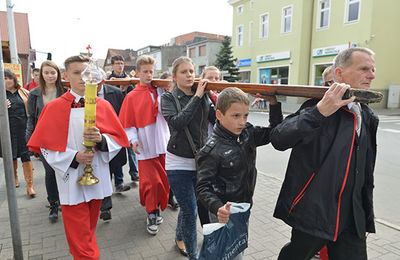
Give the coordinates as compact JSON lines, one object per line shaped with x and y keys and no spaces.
{"x":125,"y":236}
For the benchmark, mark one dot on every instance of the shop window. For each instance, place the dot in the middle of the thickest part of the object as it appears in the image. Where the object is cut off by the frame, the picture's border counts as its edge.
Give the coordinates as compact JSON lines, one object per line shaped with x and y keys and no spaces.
{"x":244,"y":76}
{"x":318,"y":80}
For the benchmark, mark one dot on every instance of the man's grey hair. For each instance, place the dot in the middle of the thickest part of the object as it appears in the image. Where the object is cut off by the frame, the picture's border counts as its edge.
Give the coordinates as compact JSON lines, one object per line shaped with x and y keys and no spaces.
{"x":344,"y":58}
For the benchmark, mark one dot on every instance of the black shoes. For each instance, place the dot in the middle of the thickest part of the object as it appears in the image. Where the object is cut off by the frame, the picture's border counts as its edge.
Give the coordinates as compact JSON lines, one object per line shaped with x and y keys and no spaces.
{"x":181,"y":250}
{"x":53,"y":215}
{"x":122,"y":188}
{"x":134,"y":177}
{"x":105,"y":215}
{"x":172,"y":203}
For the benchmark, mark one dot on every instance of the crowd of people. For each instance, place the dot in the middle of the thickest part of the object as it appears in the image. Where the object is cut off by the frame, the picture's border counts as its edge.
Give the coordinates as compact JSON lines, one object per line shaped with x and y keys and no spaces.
{"x":196,"y":146}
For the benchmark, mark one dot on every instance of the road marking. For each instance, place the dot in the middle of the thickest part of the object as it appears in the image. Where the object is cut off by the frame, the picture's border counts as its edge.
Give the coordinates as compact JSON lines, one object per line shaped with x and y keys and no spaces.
{"x":390,"y":130}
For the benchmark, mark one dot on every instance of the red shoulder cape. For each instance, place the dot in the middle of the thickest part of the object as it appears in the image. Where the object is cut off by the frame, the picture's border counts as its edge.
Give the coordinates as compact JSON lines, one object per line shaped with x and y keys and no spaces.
{"x":138,"y":109}
{"x":51,"y":131}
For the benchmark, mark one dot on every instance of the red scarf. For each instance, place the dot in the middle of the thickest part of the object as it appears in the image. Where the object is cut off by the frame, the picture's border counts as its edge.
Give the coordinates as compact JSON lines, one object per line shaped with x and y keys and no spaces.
{"x":51,"y":131}
{"x":138,"y":109}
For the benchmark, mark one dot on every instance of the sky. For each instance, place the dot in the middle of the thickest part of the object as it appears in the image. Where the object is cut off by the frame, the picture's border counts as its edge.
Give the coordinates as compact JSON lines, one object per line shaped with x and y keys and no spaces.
{"x":65,"y":28}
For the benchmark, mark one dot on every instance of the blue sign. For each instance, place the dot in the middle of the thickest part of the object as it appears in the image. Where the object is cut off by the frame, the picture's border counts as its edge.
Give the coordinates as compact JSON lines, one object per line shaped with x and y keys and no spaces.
{"x":243,"y":63}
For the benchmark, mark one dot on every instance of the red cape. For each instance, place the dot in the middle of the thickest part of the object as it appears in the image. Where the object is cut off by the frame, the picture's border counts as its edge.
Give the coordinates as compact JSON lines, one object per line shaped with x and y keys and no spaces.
{"x":138,"y":109}
{"x":51,"y":131}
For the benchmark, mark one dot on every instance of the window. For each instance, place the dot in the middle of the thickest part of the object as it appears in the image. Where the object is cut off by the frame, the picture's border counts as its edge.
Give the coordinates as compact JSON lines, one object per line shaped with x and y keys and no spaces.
{"x":251,"y":5}
{"x":244,"y":76}
{"x":250,"y":33}
{"x":287,"y":19}
{"x":201,"y":69}
{"x":240,"y":9}
{"x":352,"y":10}
{"x":324,"y":9}
{"x":239,"y":36}
{"x":202,"y":50}
{"x":192,"y":52}
{"x":264,"y":26}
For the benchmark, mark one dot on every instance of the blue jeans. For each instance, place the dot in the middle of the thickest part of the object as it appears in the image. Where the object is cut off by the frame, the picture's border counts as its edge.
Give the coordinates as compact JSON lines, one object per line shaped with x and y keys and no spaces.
{"x":183,"y":184}
{"x":118,"y":176}
{"x":133,"y":167}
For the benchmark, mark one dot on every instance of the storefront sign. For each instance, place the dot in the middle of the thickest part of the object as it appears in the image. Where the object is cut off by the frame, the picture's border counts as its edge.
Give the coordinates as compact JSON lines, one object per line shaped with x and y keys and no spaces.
{"x":274,"y":56}
{"x":332,"y":50}
{"x":243,"y":63}
{"x":16,"y":68}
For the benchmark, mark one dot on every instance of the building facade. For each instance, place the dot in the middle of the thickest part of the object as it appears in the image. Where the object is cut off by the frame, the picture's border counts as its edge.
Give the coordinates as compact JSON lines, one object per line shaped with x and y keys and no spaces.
{"x":23,"y":42}
{"x":163,"y":55}
{"x":292,"y":41}
{"x":203,"y":53}
{"x":129,"y":56}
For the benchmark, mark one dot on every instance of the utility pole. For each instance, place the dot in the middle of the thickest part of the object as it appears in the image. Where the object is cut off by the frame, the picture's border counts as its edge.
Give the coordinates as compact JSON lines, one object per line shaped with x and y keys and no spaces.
{"x":8,"y":166}
{"x":11,"y":33}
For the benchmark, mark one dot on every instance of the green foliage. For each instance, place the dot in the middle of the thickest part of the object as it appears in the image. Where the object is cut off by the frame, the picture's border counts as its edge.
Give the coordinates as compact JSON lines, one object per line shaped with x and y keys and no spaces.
{"x":226,"y":62}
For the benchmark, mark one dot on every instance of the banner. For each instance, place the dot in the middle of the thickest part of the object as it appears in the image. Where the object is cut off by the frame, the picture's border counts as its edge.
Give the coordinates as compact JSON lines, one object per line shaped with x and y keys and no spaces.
{"x":16,"y":68}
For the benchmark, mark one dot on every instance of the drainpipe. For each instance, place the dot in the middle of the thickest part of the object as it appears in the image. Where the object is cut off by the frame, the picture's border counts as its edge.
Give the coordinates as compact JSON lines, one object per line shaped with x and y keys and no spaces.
{"x":310,"y":45}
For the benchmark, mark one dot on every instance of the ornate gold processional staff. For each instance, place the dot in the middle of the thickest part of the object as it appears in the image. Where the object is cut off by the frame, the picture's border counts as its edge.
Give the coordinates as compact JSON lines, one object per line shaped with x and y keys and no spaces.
{"x":363,"y":96}
{"x":92,"y":76}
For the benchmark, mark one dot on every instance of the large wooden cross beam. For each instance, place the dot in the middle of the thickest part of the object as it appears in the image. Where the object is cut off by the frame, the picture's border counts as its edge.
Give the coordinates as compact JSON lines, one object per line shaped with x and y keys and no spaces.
{"x":364,"y":96}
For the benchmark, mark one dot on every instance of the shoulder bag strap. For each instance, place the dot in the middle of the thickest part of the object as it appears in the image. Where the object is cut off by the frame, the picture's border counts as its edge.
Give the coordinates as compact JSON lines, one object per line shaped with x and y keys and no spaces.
{"x":188,"y":135}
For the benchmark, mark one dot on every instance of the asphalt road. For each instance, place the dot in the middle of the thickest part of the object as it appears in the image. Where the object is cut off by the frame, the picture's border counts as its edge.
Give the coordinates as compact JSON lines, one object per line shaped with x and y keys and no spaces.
{"x":387,"y":170}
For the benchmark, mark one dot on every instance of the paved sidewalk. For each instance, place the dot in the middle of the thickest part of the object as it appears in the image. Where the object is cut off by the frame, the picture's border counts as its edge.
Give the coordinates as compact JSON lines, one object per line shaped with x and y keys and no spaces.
{"x":125,"y":236}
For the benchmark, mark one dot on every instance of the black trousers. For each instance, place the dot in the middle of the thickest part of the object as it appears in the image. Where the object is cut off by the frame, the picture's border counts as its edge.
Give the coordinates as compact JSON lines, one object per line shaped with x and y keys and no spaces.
{"x":303,"y":246}
{"x":50,"y":181}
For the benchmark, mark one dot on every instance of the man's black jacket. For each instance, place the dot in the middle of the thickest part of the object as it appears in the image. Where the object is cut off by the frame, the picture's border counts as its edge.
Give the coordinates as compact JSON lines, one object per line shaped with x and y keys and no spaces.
{"x":114,"y":96}
{"x":318,"y":166}
{"x":227,"y":163}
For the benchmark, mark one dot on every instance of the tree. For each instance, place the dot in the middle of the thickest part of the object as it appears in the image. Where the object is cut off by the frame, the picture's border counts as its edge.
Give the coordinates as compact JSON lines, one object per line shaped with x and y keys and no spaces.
{"x":226,"y":62}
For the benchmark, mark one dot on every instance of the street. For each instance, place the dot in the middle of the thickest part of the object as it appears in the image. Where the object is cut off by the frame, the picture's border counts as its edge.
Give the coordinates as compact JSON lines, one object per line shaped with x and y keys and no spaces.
{"x":387,"y":169}
{"x":125,"y":235}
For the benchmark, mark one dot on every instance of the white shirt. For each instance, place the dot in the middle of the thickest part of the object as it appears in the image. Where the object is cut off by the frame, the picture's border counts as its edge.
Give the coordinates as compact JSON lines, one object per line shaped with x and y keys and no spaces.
{"x":70,"y":192}
{"x":154,"y":137}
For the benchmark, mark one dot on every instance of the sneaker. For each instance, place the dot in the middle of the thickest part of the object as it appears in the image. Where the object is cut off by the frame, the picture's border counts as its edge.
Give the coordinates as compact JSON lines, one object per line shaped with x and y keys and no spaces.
{"x":152,"y":227}
{"x":160,"y":219}
{"x":172,"y":203}
{"x":122,"y":188}
{"x":105,"y":215}
{"x":134,"y":177}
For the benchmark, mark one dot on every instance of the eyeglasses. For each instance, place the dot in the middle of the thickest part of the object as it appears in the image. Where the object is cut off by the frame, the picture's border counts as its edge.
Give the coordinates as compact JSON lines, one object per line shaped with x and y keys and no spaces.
{"x":327,"y":83}
{"x":118,"y":63}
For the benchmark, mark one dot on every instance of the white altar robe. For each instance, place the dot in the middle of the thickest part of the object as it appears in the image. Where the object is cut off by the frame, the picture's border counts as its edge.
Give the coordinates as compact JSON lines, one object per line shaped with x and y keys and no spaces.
{"x":70,"y":192}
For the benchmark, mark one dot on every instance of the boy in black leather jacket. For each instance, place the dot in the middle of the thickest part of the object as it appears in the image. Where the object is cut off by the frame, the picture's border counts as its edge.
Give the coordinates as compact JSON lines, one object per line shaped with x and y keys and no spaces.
{"x":227,"y":163}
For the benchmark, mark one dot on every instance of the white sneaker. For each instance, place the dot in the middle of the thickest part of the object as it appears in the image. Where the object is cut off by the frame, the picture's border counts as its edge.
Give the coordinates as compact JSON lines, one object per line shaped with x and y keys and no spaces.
{"x":152,"y":227}
{"x":159,"y":220}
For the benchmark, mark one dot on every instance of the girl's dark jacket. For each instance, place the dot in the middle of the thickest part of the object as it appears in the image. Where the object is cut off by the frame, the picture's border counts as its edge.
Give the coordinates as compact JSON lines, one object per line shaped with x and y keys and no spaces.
{"x":227,"y":163}
{"x":196,"y":113}
{"x":321,"y":146}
